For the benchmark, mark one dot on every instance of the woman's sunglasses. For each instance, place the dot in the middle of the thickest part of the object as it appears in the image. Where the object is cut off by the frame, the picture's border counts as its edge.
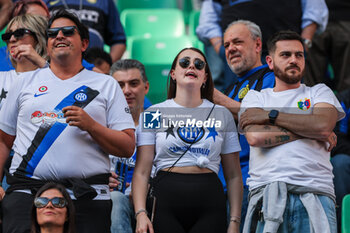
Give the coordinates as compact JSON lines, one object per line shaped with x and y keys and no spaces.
{"x":185,"y":62}
{"x":18,"y":34}
{"x":67,"y":31}
{"x":58,"y":202}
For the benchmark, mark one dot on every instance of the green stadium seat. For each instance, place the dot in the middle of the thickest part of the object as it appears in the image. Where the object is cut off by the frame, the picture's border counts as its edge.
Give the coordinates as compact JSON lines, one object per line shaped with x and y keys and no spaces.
{"x":345,"y":215}
{"x":127,"y":4}
{"x":187,"y":9}
{"x":2,"y":43}
{"x":157,"y":54}
{"x":197,"y":43}
{"x":149,"y":23}
{"x":193,"y":22}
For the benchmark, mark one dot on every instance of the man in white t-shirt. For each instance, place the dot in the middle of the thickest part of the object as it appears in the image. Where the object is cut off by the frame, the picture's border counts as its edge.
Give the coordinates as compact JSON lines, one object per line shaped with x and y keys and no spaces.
{"x":131,"y":76}
{"x":62,"y":123}
{"x":290,"y":132}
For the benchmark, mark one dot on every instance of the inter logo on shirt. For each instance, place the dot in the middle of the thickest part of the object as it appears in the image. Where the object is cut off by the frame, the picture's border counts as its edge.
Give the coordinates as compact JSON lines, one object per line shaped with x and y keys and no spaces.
{"x":190,"y":134}
{"x":80,"y":97}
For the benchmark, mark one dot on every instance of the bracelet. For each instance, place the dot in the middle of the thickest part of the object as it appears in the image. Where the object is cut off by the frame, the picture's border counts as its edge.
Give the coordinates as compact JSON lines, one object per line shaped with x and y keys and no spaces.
{"x":235,"y":219}
{"x":140,"y":211}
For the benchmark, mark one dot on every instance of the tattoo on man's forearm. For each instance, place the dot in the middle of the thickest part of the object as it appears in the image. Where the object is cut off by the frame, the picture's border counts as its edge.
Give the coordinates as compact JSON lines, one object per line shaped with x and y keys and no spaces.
{"x":282,"y":138}
{"x":266,"y":127}
{"x":283,"y":130}
{"x":268,"y":141}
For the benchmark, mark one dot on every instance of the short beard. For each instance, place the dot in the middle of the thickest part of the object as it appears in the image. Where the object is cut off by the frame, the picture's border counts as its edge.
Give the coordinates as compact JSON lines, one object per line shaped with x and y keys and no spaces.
{"x":289,"y":79}
{"x":241,"y":68}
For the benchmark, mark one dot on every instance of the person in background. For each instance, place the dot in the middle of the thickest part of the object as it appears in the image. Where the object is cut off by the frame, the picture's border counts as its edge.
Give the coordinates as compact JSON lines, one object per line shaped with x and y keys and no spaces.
{"x":102,"y":19}
{"x":306,"y":17}
{"x":33,"y":7}
{"x":53,"y":210}
{"x":26,"y":44}
{"x":132,"y":79}
{"x":99,"y":58}
{"x":189,"y":195}
{"x":332,"y":47}
{"x":341,"y":155}
{"x":5,"y":9}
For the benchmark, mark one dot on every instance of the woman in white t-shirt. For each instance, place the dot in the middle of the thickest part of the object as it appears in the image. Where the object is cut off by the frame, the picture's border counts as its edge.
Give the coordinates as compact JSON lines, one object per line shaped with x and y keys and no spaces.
{"x":26,"y":45}
{"x":186,"y":137}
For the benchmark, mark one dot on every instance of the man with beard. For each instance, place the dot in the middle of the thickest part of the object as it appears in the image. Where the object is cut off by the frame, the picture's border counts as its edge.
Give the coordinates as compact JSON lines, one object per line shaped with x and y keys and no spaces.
{"x":290,"y":132}
{"x":243,"y":46}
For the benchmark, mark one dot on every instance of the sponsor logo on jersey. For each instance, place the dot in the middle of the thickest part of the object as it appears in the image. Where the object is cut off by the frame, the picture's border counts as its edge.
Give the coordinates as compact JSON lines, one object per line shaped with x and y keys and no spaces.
{"x":243,"y":92}
{"x":54,"y":2}
{"x":151,"y":119}
{"x":80,"y":97}
{"x":47,"y":117}
{"x":37,"y":95}
{"x":304,"y":105}
{"x":190,"y":134}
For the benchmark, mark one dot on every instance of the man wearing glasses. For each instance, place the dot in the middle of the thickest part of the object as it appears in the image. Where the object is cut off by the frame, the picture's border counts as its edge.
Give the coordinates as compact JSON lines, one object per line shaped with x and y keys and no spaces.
{"x":62,"y":122}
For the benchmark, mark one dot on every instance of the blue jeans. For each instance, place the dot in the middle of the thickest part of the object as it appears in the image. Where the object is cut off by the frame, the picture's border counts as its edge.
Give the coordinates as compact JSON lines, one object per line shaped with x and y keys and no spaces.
{"x":341,"y":171}
{"x":122,"y":216}
{"x":296,"y":219}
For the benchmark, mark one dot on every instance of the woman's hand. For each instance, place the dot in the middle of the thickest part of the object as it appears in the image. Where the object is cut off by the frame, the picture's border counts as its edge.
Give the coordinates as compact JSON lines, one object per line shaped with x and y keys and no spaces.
{"x":27,"y":51}
{"x":143,"y":224}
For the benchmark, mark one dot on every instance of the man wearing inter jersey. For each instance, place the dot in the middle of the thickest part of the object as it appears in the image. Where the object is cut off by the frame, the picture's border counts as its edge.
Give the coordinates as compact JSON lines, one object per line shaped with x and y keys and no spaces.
{"x":62,"y":122}
{"x":289,"y":129}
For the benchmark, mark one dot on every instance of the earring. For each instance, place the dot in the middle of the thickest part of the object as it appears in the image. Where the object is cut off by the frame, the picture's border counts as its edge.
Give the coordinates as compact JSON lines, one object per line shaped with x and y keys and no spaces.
{"x":203,"y":85}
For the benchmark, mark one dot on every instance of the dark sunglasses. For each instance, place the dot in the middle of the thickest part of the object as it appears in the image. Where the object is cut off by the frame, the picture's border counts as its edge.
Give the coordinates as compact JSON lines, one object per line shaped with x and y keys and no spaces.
{"x":67,"y":31}
{"x":58,"y":202}
{"x":18,"y":34}
{"x":185,"y":62}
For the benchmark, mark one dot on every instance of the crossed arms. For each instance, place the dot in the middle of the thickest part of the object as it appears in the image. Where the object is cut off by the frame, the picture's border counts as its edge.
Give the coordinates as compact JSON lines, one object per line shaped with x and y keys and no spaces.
{"x":289,"y":127}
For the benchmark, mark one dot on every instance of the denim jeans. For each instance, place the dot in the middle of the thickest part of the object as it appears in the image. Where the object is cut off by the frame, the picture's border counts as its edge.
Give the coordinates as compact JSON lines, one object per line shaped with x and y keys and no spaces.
{"x":341,"y":171}
{"x":296,"y":219}
{"x":122,"y":216}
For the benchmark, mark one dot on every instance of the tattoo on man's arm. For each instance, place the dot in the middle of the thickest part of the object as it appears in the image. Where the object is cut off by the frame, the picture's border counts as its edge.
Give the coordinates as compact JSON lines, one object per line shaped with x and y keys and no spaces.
{"x":283,"y":130}
{"x":266,"y":127}
{"x":268,"y":141}
{"x":282,"y":138}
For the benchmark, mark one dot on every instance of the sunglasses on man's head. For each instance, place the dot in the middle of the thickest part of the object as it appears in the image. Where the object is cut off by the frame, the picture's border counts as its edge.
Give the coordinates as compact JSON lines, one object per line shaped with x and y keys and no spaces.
{"x":186,"y":61}
{"x":58,"y":202}
{"x":18,"y":34}
{"x":67,"y":31}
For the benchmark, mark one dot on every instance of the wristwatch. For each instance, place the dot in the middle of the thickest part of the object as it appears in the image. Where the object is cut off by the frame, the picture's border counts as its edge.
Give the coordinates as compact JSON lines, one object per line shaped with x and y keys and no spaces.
{"x":307,"y":43}
{"x":273,"y":114}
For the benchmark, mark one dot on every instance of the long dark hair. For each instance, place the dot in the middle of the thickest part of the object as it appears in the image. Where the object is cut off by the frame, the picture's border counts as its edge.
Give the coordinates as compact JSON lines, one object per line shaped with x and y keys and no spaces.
{"x":206,"y":92}
{"x":69,"y":225}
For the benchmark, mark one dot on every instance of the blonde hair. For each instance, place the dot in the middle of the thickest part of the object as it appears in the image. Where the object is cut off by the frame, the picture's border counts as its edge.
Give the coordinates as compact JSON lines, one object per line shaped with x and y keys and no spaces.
{"x":35,"y":23}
